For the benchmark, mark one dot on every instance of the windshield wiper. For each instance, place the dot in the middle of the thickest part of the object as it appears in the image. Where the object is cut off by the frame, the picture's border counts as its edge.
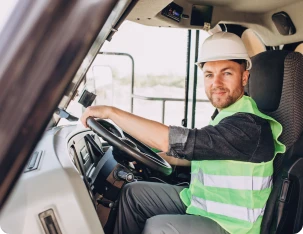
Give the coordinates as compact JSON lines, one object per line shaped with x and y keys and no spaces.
{"x":65,"y":115}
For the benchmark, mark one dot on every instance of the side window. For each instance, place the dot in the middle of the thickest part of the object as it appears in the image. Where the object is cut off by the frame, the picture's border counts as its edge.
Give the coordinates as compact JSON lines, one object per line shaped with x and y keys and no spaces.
{"x":204,"y":109}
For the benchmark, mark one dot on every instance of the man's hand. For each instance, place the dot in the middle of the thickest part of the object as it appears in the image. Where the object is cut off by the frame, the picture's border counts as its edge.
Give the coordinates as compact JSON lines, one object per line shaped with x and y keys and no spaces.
{"x":149,"y":132}
{"x":102,"y":112}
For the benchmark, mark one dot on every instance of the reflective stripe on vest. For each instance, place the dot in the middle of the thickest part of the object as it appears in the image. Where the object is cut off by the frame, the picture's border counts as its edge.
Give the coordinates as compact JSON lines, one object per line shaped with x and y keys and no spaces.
{"x":238,"y":212}
{"x":233,"y":182}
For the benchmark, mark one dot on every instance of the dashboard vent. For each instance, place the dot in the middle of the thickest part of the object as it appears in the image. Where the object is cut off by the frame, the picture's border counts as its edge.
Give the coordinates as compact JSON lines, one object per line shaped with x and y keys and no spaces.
{"x":34,"y":161}
{"x":49,"y":222}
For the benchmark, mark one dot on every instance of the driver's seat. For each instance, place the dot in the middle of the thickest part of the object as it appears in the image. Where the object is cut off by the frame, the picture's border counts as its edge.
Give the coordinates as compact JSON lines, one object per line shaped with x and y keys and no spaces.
{"x":276,"y":84}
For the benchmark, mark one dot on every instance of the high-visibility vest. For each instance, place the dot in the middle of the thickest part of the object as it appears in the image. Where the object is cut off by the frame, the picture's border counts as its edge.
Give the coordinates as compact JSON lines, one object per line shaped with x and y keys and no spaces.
{"x":233,"y":193}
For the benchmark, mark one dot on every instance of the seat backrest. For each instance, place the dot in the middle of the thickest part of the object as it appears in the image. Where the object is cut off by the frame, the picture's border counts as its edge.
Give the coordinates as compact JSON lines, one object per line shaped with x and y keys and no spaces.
{"x":276,"y":84}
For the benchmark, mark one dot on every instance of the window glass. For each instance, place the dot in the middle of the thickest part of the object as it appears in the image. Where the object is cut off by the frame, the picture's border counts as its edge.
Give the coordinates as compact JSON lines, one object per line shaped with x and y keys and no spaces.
{"x":156,"y":58}
{"x":204,"y":110}
{"x":110,"y":79}
{"x":159,"y":56}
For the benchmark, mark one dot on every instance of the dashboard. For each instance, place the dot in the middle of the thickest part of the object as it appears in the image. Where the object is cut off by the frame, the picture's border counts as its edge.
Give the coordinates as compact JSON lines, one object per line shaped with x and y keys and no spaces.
{"x":68,"y":185}
{"x":94,"y":160}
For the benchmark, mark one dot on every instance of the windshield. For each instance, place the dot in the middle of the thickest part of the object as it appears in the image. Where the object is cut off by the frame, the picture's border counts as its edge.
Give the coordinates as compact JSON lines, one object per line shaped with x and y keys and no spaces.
{"x":142,"y":70}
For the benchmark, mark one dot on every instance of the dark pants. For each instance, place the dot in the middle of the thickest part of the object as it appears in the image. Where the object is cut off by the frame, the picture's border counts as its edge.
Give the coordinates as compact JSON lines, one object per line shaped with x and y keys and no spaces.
{"x":155,"y":208}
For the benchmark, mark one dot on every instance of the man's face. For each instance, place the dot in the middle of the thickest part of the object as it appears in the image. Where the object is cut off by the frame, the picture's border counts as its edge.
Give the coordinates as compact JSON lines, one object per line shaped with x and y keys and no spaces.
{"x":224,"y":82}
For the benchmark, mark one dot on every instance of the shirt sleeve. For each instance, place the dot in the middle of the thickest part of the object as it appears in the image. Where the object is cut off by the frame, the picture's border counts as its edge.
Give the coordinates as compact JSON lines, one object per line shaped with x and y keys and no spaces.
{"x":235,"y":138}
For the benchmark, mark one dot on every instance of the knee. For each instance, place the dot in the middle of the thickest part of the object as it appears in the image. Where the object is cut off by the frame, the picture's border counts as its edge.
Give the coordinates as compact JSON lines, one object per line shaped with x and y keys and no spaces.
{"x":154,"y":225}
{"x":131,"y":189}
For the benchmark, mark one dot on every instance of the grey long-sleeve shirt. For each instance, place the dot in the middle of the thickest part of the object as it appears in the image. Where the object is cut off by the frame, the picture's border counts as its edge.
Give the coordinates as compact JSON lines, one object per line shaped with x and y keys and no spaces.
{"x":240,"y":137}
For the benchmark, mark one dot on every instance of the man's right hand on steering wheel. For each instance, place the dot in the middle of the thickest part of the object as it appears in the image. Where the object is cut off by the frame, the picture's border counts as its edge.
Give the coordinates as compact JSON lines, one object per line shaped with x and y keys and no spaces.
{"x":149,"y":132}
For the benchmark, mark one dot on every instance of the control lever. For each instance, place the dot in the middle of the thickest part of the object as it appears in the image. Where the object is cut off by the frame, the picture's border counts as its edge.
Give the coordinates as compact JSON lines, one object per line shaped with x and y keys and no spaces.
{"x":106,"y":203}
{"x":65,"y":115}
{"x":123,"y":175}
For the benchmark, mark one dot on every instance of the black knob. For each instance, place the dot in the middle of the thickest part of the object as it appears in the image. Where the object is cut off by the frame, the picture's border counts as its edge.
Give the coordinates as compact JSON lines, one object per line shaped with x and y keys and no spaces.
{"x":123,"y":175}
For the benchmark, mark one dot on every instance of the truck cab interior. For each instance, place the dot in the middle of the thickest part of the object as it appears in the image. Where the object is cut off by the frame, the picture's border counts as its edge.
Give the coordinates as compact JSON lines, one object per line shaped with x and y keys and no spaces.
{"x":58,"y":177}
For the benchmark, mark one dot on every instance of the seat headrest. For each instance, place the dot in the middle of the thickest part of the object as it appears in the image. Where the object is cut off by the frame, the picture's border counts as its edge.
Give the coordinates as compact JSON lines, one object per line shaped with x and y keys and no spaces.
{"x":266,"y":79}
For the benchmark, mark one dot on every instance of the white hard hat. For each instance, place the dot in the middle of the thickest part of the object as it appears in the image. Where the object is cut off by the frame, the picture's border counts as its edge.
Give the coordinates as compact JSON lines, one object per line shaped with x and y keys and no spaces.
{"x":223,"y":46}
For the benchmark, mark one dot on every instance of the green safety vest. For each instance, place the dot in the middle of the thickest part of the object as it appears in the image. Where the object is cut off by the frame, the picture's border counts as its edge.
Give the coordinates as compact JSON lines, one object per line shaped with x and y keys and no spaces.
{"x":233,"y":193}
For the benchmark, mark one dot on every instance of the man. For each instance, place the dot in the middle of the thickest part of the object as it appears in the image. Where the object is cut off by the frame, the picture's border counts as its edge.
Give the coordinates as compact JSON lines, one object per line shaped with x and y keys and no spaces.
{"x":231,"y":159}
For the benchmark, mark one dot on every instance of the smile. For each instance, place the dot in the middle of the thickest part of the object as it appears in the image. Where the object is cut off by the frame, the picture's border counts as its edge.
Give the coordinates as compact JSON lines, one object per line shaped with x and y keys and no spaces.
{"x":219,"y":93}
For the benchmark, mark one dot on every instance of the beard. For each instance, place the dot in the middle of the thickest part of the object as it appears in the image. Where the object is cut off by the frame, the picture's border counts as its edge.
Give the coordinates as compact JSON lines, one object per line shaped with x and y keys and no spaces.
{"x":225,"y":100}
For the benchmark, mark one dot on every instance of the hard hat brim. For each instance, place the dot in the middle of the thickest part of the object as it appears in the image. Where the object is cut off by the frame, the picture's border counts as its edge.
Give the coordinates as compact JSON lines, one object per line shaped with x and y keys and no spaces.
{"x":249,"y":64}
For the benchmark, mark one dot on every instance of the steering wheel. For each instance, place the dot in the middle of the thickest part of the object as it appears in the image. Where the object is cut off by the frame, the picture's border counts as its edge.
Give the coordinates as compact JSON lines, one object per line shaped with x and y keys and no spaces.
{"x":125,"y":143}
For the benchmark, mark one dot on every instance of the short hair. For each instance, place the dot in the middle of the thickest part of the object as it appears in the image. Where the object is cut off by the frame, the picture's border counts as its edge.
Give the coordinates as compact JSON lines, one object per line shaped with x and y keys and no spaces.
{"x":242,"y":62}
